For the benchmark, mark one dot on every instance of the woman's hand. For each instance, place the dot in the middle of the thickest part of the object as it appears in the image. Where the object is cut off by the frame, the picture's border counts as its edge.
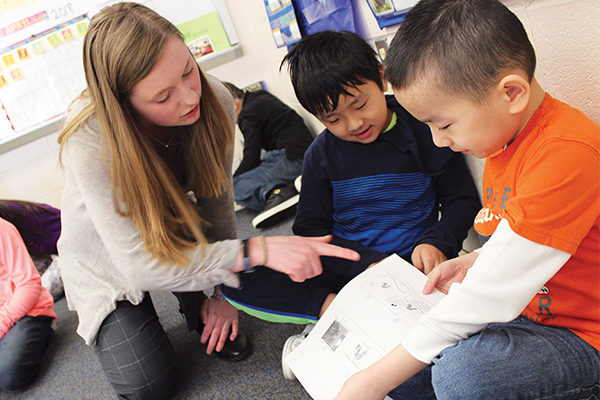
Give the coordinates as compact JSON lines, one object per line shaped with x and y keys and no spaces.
{"x":449,"y":272}
{"x":298,"y":256}
{"x":425,"y":257}
{"x":219,"y":317}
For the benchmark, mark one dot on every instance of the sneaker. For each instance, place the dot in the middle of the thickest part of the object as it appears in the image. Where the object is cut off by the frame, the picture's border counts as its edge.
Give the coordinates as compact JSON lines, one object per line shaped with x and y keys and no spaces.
{"x":280,"y":205}
{"x":290,"y":344}
{"x":298,"y":183}
{"x":52,"y":281}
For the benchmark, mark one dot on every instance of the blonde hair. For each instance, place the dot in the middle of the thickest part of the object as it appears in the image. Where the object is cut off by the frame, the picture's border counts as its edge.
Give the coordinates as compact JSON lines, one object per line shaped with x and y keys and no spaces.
{"x":122,"y":46}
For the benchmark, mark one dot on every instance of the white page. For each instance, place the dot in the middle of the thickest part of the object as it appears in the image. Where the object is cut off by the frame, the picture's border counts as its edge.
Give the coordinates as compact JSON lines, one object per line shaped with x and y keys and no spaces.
{"x":368,"y":318}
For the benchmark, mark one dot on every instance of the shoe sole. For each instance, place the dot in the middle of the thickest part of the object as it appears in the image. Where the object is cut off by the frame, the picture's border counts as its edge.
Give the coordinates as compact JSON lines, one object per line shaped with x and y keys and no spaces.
{"x":237,"y":358}
{"x":276,"y":214}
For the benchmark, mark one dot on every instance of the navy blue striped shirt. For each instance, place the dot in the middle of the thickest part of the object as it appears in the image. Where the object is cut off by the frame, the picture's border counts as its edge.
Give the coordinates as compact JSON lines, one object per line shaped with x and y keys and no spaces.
{"x":387,"y":195}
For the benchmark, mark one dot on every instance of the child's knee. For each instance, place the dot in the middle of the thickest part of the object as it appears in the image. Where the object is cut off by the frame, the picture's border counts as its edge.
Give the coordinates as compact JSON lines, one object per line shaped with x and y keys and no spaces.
{"x":14,"y":376}
{"x":472,"y":369}
{"x":8,"y":382}
{"x":455,"y":379}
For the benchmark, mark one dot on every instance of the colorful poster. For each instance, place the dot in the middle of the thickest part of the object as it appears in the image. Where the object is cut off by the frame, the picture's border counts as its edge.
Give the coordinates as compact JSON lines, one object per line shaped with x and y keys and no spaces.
{"x":284,"y":25}
{"x":41,"y":69}
{"x":23,"y":23}
{"x":390,"y":12}
{"x":205,"y":35}
{"x":43,"y":75}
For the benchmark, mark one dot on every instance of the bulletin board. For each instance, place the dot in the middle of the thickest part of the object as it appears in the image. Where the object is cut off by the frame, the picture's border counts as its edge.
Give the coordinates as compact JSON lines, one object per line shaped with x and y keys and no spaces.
{"x":282,"y":18}
{"x":41,"y":41}
{"x":390,"y":12}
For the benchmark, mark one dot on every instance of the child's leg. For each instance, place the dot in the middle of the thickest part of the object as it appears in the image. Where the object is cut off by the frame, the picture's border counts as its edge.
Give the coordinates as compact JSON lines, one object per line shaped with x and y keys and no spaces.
{"x":21,"y":350}
{"x":135,"y":352}
{"x":416,"y":388}
{"x":275,"y":170}
{"x":518,"y":359}
{"x":273,"y":296}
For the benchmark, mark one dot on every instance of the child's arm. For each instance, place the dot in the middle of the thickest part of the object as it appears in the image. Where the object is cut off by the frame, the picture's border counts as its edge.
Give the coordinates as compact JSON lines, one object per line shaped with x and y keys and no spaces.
{"x":459,"y":203}
{"x":376,"y":381}
{"x":503,"y":278}
{"x":314,"y":215}
{"x":19,"y":269}
{"x":506,"y":275}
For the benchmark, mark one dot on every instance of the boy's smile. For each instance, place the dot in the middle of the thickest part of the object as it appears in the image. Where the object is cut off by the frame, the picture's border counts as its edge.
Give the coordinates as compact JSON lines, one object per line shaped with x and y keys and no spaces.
{"x":359,"y":117}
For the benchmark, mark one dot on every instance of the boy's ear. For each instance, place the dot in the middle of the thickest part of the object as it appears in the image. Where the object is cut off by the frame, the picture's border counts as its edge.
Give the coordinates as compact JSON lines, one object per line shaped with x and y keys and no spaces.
{"x":515,"y":91}
{"x":386,"y":85}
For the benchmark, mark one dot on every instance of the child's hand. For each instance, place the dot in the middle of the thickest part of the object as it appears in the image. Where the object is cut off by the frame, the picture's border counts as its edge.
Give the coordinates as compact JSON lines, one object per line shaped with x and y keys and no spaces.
{"x":360,"y":386}
{"x":448,"y":272}
{"x":426,"y":256}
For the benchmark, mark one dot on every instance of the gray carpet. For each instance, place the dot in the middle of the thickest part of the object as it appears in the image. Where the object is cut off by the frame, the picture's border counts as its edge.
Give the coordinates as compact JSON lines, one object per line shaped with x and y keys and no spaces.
{"x":71,"y":370}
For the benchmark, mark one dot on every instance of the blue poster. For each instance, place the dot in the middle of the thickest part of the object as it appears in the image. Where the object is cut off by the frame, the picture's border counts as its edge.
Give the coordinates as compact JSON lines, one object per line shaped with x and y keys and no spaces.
{"x":321,"y":15}
{"x":390,"y":12}
{"x":284,"y":25}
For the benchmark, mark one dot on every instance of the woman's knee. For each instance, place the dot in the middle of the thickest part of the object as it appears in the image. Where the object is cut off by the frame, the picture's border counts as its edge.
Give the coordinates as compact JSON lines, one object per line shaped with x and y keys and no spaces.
{"x":160,"y":388}
{"x":135,"y":352}
{"x":151,"y":376}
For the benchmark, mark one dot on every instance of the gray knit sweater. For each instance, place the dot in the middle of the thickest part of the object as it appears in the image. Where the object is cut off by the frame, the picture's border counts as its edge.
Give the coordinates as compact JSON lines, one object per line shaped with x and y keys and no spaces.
{"x":102,"y":257}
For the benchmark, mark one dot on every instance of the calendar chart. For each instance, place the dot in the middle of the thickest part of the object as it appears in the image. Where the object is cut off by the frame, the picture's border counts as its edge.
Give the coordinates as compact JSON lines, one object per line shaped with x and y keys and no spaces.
{"x":40,"y":76}
{"x":41,"y":55}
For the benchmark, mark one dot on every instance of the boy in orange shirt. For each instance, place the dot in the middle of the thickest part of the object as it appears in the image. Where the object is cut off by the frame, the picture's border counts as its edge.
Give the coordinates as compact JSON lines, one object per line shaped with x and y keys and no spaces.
{"x":522,"y":315}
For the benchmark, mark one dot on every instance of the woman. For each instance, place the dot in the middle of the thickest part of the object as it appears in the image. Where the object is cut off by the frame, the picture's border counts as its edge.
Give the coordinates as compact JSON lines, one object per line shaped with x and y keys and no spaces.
{"x":147,"y":203}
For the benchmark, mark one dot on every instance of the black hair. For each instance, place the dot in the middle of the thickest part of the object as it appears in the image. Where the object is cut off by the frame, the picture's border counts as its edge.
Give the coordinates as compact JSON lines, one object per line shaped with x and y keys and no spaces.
{"x":235,"y":91}
{"x":464,"y":44}
{"x":325,"y":64}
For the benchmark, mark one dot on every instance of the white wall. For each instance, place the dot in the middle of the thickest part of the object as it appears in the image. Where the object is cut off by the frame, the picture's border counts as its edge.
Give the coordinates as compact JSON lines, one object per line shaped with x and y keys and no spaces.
{"x":565,"y":34}
{"x":31,"y":172}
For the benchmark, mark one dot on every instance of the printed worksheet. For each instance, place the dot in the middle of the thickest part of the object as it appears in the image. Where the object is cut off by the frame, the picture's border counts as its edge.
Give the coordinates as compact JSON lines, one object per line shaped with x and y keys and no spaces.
{"x":368,"y":318}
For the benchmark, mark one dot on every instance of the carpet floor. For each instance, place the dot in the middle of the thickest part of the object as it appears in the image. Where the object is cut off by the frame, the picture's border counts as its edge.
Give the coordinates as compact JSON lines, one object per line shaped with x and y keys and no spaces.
{"x":71,"y":369}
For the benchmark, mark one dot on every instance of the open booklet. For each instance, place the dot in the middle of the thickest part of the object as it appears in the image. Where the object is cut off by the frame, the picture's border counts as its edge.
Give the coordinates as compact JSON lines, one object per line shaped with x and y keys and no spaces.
{"x":368,"y":318}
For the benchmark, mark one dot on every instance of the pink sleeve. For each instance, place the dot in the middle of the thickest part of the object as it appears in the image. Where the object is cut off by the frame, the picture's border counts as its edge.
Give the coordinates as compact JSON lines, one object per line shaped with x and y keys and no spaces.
{"x":25,"y":281}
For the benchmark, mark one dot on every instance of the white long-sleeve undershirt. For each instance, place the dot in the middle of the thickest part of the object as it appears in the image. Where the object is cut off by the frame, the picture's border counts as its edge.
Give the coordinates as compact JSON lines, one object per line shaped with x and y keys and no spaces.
{"x":506,"y":275}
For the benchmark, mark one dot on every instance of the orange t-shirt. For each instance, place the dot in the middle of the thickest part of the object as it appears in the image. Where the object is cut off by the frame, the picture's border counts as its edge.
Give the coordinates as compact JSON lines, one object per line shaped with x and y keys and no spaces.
{"x":546,"y":184}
